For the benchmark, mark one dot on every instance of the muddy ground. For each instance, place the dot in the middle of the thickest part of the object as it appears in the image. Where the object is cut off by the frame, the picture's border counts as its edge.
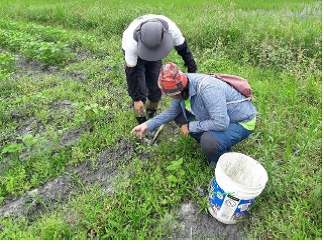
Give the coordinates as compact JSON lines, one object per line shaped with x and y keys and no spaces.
{"x":187,"y":225}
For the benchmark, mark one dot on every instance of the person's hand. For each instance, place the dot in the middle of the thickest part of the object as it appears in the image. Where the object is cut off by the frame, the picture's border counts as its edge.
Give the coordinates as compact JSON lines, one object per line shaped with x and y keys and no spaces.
{"x":185,"y":129}
{"x":139,"y":107}
{"x":139,"y":130}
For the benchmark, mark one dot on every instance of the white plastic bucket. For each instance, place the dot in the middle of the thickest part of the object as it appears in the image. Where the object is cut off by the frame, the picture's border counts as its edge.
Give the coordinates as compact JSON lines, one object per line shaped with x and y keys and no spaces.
{"x":238,"y":180}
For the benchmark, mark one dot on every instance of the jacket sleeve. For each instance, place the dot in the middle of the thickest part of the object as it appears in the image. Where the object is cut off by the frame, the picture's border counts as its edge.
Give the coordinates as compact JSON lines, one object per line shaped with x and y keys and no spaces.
{"x":136,"y":89}
{"x":166,"y":116}
{"x":184,"y":51}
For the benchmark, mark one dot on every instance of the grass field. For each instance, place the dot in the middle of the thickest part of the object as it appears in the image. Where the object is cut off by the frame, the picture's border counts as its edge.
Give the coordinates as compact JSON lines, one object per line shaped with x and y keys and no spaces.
{"x":66,"y":117}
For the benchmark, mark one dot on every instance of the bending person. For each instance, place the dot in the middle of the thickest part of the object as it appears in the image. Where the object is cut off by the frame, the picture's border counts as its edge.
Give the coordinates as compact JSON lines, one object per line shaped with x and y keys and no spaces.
{"x":146,"y":41}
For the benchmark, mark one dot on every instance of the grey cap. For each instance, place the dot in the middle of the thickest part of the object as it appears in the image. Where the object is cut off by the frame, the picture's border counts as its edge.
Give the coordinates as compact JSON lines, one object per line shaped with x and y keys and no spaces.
{"x":153,"y":40}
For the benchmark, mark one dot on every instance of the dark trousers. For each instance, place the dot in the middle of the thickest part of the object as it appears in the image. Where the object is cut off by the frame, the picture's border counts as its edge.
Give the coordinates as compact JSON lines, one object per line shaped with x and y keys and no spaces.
{"x":142,"y":80}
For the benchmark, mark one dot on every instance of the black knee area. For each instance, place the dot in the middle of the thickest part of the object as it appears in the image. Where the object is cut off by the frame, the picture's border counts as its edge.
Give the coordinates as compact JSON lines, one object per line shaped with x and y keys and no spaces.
{"x":209,"y":144}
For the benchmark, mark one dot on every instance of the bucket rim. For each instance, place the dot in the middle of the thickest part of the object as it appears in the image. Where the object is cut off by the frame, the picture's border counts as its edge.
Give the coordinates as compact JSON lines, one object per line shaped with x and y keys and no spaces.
{"x":239,"y":184}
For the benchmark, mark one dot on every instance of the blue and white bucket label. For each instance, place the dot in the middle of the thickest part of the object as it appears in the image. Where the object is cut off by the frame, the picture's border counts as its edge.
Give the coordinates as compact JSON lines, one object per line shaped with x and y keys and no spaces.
{"x":225,"y":205}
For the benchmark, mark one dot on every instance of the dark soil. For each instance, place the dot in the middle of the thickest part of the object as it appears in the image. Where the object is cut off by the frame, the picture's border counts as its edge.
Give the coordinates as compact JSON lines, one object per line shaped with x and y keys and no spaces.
{"x":35,"y":68}
{"x":38,"y":200}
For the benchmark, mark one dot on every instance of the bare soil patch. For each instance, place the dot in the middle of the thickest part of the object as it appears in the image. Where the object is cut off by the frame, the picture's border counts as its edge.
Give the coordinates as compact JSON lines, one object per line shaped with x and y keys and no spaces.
{"x":189,"y":225}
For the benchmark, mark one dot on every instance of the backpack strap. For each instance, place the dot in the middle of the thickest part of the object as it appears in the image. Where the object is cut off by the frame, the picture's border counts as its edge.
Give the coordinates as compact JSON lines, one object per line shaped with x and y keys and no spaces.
{"x":231,"y":102}
{"x":201,"y":81}
{"x":239,"y":101}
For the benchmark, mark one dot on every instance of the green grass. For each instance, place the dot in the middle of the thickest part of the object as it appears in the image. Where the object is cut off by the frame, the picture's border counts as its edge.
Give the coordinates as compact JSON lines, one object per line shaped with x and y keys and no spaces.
{"x":276,"y":45}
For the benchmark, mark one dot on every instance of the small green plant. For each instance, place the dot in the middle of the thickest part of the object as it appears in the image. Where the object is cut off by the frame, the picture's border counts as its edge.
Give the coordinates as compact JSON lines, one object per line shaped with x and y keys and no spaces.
{"x":14,"y":149}
{"x":90,"y":112}
{"x":177,"y":173}
{"x":7,"y":62}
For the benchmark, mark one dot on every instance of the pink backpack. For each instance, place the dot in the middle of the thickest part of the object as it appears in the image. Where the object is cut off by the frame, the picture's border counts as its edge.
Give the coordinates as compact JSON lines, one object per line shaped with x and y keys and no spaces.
{"x":239,"y":83}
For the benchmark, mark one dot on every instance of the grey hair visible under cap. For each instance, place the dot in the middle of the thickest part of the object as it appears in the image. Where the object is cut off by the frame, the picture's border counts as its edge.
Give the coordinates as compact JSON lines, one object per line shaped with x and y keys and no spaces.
{"x":153,"y":40}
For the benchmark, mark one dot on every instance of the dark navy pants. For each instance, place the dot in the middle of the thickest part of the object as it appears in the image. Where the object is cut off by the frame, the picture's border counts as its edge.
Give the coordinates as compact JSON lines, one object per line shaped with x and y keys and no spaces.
{"x":216,"y":143}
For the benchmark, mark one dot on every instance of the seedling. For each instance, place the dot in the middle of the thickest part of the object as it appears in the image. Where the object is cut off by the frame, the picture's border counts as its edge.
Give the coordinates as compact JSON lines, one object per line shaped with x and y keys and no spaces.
{"x":176,"y":172}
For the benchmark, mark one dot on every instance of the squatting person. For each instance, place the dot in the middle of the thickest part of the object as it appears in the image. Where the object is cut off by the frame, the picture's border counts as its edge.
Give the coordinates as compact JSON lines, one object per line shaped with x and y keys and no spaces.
{"x":146,"y":41}
{"x":199,"y":106}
